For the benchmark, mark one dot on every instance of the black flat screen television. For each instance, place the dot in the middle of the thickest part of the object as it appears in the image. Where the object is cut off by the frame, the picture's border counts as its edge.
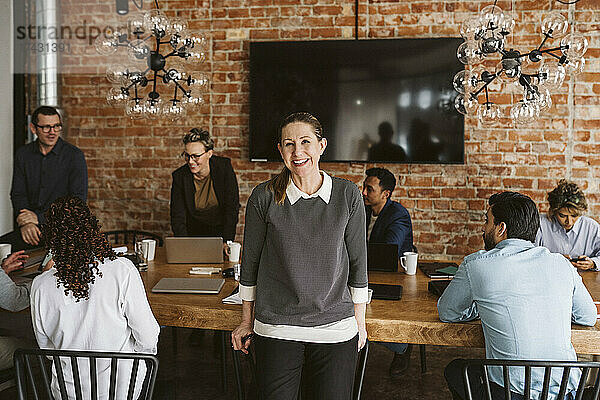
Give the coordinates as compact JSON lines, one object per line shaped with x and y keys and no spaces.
{"x":388,"y":100}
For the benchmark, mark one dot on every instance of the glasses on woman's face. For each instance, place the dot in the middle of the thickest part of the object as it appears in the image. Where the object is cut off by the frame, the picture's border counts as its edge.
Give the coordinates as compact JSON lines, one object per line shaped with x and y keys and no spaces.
{"x":196,"y":157}
{"x":48,"y":128}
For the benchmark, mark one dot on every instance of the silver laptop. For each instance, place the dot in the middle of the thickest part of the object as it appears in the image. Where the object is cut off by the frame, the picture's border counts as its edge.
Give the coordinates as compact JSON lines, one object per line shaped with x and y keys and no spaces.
{"x":193,"y":250}
{"x":189,"y":285}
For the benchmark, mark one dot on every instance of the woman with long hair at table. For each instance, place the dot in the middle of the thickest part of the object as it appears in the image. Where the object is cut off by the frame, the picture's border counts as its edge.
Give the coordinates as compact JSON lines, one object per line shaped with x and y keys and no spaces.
{"x":89,"y":299}
{"x":303,"y":274}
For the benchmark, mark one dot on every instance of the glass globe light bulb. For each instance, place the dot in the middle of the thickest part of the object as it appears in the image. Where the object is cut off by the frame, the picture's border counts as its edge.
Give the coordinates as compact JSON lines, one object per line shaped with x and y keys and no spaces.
{"x":138,"y":50}
{"x":193,"y":96}
{"x":492,"y":44}
{"x":136,"y":25}
{"x":157,"y":23}
{"x":174,"y":110}
{"x":200,"y":81}
{"x":509,"y":70}
{"x":474,"y":79}
{"x":574,"y":45}
{"x":174,"y":74}
{"x":471,"y":29}
{"x":489,"y":113}
{"x":116,"y":73}
{"x":492,"y":17}
{"x":465,"y":105}
{"x":459,"y":81}
{"x":574,"y":67}
{"x":555,"y":25}
{"x":524,"y":113}
{"x":468,"y":53}
{"x":106,"y":45}
{"x":135,"y":109}
{"x":543,"y":99}
{"x":116,"y":96}
{"x":196,"y":46}
{"x":507,"y":25}
{"x":551,"y":75}
{"x":178,"y":26}
{"x":153,"y":108}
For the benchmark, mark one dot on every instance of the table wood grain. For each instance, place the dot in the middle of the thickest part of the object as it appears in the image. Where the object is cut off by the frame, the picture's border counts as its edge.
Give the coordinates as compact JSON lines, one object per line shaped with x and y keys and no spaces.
{"x":413,"y":319}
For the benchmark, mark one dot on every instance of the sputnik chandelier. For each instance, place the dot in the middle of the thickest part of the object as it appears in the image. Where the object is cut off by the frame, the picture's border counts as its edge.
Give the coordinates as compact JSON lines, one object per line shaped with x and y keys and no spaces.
{"x":158,"y":48}
{"x":535,"y":73}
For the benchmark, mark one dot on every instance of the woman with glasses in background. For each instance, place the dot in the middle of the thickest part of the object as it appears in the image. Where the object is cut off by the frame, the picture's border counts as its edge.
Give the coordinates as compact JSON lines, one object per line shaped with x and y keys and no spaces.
{"x":566,"y":230}
{"x":204,"y":193}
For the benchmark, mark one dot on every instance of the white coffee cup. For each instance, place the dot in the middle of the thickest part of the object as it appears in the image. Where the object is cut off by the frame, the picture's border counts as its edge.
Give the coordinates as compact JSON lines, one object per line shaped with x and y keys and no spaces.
{"x":370,"y":291}
{"x":151,"y":243}
{"x":234,"y":251}
{"x":4,"y":250}
{"x":410,"y":258}
{"x":142,"y":249}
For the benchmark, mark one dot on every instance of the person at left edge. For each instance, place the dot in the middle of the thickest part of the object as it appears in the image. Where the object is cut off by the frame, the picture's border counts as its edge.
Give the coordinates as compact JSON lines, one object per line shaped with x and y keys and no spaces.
{"x":44,"y":170}
{"x":204,"y":195}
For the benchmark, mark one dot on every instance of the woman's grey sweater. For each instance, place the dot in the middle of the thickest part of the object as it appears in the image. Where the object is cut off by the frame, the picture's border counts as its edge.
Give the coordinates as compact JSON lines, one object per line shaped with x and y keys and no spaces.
{"x":303,"y":257}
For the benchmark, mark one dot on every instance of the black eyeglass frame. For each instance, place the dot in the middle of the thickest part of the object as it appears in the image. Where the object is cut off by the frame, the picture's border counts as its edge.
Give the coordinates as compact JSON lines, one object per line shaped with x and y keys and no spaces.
{"x":195,"y":157}
{"x":48,"y":128}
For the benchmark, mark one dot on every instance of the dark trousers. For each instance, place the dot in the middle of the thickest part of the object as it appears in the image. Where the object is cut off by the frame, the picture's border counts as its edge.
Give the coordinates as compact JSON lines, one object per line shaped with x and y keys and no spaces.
{"x":327,"y":369}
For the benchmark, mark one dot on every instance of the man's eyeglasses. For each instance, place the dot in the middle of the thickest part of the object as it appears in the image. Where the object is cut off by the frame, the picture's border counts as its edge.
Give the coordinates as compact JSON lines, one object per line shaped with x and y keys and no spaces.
{"x":48,"y":128}
{"x":195,"y":157}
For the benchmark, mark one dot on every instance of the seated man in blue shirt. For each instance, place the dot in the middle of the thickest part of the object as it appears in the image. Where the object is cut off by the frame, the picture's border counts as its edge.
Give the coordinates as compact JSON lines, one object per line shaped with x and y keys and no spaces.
{"x":525,"y":296}
{"x":44,"y":170}
{"x":566,"y":230}
{"x":388,"y":222}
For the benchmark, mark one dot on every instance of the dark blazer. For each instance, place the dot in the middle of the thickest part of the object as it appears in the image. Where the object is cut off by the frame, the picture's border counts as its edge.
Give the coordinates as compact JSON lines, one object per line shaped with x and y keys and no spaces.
{"x":393,"y":226}
{"x":184,"y":221}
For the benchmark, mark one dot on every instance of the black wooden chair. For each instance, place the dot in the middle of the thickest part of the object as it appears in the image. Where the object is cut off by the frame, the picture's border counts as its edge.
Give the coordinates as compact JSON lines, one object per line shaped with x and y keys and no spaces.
{"x":128,"y":236}
{"x":7,"y":378}
{"x":564,"y":366}
{"x":34,"y":371}
{"x":361,"y":367}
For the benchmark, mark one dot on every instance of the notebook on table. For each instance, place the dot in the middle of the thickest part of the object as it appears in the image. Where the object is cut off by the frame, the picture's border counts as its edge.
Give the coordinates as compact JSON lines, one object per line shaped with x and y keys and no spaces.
{"x":194,"y":250}
{"x":382,"y":257}
{"x":386,"y":292}
{"x":438,"y":270}
{"x":189,"y":285}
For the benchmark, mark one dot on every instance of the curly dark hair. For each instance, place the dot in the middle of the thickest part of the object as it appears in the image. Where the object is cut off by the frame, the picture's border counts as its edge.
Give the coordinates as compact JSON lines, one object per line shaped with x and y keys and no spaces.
{"x":569,"y":195}
{"x":72,"y":234}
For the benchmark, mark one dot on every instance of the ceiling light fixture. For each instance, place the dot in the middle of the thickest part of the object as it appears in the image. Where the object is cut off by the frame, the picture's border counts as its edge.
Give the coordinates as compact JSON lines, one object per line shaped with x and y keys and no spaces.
{"x":159,"y":49}
{"x":535,"y":72}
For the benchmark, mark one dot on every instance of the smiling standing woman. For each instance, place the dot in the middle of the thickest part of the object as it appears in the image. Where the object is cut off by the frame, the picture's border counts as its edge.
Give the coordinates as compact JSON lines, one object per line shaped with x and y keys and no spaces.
{"x":204,"y":195}
{"x":303,"y":275}
{"x":566,"y":230}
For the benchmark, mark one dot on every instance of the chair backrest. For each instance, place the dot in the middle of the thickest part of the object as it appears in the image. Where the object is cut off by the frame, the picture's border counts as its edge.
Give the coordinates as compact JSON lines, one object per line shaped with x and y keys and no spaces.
{"x":34,"y":371}
{"x":128,"y":236}
{"x":527,"y":365}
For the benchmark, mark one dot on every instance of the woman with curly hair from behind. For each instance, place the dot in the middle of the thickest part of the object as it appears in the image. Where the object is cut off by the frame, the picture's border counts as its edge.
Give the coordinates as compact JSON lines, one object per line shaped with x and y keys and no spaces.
{"x":566,"y":230}
{"x":89,"y":299}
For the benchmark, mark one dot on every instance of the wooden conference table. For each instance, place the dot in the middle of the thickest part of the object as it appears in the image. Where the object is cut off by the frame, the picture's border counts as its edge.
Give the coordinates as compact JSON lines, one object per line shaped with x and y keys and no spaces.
{"x":413,"y":319}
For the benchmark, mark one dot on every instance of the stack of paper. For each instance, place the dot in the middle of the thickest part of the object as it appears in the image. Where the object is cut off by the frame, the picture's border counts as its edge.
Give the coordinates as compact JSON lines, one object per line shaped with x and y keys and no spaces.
{"x":234,"y":297}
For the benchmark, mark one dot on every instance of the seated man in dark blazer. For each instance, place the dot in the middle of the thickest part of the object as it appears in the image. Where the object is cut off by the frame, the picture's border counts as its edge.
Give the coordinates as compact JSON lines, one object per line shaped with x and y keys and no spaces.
{"x":388,"y":222}
{"x":204,"y":194}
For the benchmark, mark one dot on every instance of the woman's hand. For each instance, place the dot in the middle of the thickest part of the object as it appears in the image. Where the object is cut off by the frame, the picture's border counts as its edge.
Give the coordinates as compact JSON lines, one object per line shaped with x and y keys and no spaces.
{"x":362,"y":338}
{"x":15,"y":261}
{"x":241,"y":337}
{"x":584,"y":263}
{"x":359,"y":314}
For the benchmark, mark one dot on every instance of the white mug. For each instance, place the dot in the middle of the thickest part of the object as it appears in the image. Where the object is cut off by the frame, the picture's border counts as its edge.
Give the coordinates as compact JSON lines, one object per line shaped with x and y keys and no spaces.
{"x":370,"y":292}
{"x":234,"y":251}
{"x":151,"y":248}
{"x":142,"y":250}
{"x":4,"y":250}
{"x":411,"y":262}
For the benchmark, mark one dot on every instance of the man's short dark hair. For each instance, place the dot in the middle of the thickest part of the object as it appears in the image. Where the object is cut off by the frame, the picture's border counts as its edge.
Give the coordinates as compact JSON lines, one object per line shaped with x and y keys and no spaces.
{"x":44,"y":110}
{"x":518,"y":212}
{"x":386,"y":179}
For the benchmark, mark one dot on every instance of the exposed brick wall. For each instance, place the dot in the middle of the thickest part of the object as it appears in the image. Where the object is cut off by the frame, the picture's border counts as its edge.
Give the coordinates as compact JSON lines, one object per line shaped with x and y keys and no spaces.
{"x":130,"y":161}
